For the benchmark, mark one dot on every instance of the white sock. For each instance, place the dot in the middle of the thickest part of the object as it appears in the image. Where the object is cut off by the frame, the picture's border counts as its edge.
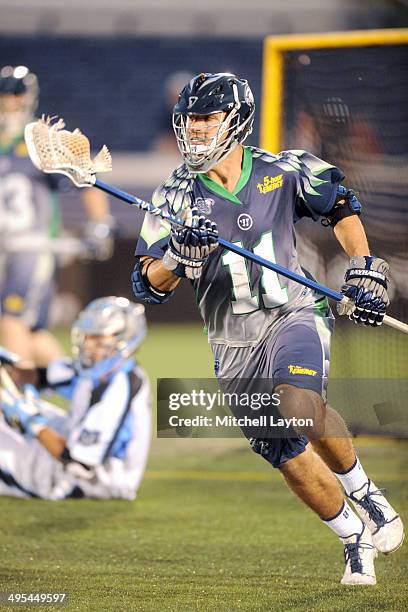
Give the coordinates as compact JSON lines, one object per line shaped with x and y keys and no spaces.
{"x":346,"y":523}
{"x":355,"y":478}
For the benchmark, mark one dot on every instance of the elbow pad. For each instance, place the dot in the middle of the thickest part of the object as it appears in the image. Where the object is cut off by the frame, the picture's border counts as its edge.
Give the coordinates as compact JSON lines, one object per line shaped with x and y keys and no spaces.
{"x":345,"y":205}
{"x":143,"y":290}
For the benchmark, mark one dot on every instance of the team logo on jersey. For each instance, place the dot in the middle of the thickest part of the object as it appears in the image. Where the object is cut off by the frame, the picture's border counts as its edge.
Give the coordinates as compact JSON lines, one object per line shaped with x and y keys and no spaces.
{"x":270,"y":183}
{"x":204,"y":205}
{"x":13,"y":303}
{"x":21,"y":149}
{"x":245,"y":221}
{"x":87,"y":437}
{"x":297,"y":369}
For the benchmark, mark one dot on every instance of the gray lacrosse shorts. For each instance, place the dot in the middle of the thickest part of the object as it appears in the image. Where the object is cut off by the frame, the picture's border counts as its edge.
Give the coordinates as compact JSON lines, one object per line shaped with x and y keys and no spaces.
{"x":294,"y":351}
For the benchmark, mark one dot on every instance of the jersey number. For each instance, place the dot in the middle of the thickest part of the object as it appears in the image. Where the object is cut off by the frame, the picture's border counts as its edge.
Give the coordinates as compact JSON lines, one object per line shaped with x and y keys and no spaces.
{"x":16,"y":203}
{"x":244,"y":301}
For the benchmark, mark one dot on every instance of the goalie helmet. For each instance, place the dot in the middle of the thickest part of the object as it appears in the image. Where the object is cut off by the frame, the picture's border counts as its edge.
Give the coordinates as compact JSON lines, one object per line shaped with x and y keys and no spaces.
{"x":119,"y":325}
{"x":207,"y":94}
{"x":18,"y":98}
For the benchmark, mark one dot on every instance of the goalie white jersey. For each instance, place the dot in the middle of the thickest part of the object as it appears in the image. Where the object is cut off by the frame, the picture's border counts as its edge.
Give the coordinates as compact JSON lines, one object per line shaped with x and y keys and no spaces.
{"x":107,"y":433}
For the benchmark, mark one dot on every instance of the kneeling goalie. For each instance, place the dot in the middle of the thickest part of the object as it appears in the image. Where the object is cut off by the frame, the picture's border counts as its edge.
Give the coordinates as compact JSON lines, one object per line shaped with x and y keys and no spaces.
{"x":99,"y":448}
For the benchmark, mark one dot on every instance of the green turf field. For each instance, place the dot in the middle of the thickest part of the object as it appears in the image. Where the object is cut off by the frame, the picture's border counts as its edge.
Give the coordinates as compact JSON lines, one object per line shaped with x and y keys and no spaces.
{"x":213,"y":528}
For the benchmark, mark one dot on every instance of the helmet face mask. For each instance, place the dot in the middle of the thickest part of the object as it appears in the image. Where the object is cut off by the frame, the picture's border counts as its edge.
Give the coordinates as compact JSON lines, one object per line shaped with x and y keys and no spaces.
{"x":18,"y":98}
{"x":108,"y":329}
{"x":204,"y":96}
{"x":90,"y":349}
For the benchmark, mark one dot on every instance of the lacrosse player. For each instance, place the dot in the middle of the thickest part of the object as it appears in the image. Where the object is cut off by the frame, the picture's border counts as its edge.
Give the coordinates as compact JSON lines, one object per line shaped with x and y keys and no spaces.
{"x":261,"y":326}
{"x":29,"y":222}
{"x":100,"y":447}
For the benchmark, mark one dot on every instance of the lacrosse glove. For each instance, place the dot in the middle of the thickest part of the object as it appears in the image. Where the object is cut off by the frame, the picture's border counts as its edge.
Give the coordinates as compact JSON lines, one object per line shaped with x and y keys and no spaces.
{"x":366,"y":285}
{"x":22,"y":413}
{"x":98,"y":238}
{"x":190,"y":245}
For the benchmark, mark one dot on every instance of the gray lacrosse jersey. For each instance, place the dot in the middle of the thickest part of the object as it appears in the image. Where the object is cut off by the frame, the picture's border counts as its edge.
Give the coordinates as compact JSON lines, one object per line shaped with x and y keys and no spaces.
{"x":239,"y":299}
{"x":28,"y":205}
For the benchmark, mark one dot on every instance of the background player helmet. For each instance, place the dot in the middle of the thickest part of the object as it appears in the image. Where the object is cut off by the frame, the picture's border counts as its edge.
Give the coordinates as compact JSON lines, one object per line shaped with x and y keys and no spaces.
{"x":121,"y":321}
{"x":18,"y":97}
{"x":207,"y":94}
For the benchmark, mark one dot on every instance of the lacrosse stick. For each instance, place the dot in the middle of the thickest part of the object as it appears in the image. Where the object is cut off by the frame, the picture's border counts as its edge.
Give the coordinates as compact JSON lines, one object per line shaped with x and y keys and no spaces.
{"x":8,"y":358}
{"x":9,"y":388}
{"x":7,"y":385}
{"x":55,"y":150}
{"x":66,"y":245}
{"x":7,"y":382}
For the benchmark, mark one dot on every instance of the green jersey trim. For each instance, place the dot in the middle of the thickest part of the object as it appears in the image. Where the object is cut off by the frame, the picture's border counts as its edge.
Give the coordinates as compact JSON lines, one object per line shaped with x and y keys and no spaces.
{"x":55,"y":217}
{"x":12,"y":144}
{"x":243,"y":179}
{"x":321,"y":307}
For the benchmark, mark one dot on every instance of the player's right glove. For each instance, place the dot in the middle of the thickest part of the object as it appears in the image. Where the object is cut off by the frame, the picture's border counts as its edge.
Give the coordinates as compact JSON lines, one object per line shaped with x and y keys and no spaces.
{"x":22,"y":413}
{"x":366,"y":285}
{"x":190,"y":246}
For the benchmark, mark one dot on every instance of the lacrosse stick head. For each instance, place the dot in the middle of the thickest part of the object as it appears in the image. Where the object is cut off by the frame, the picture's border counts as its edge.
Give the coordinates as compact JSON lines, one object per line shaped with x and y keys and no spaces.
{"x":54,"y":149}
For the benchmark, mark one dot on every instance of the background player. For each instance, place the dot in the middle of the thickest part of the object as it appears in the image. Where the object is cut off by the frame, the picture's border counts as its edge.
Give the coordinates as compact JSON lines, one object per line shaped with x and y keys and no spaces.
{"x":100,"y":448}
{"x":260,"y":327}
{"x":29,"y":216}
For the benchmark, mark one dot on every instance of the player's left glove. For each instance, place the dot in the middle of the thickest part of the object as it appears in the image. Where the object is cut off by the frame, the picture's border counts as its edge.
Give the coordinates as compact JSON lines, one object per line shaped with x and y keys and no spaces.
{"x":366,"y":285}
{"x":23,"y":413}
{"x":190,"y":246}
{"x":98,"y":238}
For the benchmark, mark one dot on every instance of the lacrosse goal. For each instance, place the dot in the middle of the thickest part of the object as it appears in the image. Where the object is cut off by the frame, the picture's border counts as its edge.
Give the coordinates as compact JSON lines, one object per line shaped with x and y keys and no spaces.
{"x":343,"y":97}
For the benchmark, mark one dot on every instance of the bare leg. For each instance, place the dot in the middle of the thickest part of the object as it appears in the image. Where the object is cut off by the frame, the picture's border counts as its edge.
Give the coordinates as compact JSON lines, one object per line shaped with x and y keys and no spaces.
{"x":45,"y":347}
{"x":38,"y":347}
{"x":16,"y":336}
{"x":313,"y":482}
{"x":329,"y":435}
{"x":337,"y":451}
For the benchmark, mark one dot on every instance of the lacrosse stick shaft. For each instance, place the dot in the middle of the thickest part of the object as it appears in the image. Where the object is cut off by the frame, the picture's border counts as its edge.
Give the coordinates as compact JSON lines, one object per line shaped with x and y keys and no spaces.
{"x":307,"y":282}
{"x":53,"y":149}
{"x":153,"y":210}
{"x":396,"y":324}
{"x":58,"y":246}
{"x":137,"y":202}
{"x":8,"y":383}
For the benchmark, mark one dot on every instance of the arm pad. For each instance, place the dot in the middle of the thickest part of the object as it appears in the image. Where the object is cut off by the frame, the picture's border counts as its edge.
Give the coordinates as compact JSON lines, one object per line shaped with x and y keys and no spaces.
{"x":144,"y":291}
{"x":345,"y":205}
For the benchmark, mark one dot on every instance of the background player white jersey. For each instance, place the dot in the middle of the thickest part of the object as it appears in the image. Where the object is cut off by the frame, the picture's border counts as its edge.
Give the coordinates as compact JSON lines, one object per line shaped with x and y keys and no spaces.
{"x":100,"y":447}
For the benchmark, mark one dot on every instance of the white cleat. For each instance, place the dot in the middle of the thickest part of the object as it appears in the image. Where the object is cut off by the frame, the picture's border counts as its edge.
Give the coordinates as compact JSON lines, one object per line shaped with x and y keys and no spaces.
{"x":380,"y":517}
{"x":359,"y":555}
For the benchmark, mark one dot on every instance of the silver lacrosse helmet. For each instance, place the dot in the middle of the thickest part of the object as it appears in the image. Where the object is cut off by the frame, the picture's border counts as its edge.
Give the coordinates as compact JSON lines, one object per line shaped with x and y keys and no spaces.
{"x":205,"y":95}
{"x":18,"y":98}
{"x":118,"y":325}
